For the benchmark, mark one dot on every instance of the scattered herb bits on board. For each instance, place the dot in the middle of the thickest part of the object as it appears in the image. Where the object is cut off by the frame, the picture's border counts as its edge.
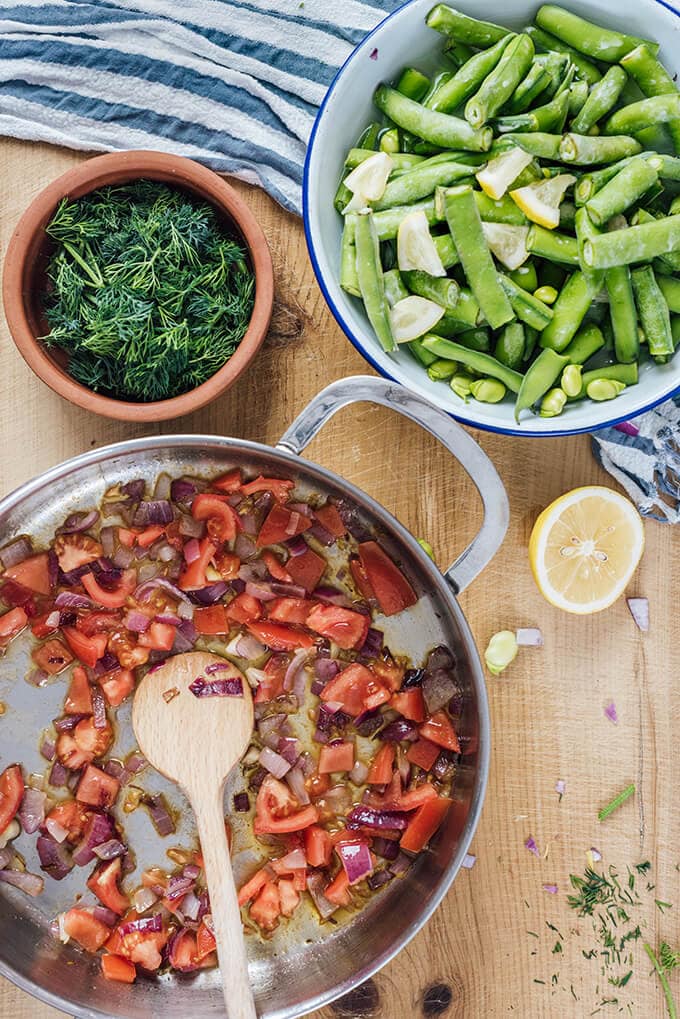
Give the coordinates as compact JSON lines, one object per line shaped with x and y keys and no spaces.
{"x":146,"y":290}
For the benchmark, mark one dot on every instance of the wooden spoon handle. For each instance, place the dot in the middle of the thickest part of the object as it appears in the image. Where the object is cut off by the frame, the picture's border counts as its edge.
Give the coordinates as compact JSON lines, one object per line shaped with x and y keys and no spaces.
{"x":226,"y":917}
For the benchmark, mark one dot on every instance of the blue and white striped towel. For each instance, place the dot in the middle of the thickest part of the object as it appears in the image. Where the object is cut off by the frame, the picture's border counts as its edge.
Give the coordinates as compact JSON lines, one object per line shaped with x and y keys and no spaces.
{"x":234,"y":84}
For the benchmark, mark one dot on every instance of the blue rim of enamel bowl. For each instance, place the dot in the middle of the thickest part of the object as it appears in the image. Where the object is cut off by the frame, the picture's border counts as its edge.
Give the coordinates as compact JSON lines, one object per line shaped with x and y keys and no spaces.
{"x":459,"y":415}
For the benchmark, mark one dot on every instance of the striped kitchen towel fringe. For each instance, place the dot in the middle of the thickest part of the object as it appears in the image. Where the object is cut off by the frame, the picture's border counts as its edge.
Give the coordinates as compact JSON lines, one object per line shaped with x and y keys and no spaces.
{"x":235,"y":85}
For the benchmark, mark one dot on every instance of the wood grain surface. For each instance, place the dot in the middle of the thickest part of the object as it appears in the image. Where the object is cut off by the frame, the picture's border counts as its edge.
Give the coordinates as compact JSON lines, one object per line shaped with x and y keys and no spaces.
{"x":475,"y":959}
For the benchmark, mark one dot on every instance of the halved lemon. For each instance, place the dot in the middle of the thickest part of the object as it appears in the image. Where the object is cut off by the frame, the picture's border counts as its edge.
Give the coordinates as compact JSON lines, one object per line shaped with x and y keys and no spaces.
{"x":499,"y":173}
{"x":508,"y":243}
{"x":413,"y":317}
{"x":416,"y":248}
{"x":368,"y":180}
{"x":540,"y":201}
{"x":585,"y":547}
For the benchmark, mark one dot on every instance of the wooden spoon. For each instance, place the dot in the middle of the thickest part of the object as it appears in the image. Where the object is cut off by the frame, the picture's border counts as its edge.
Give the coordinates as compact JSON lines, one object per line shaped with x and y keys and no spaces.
{"x":196,"y":741}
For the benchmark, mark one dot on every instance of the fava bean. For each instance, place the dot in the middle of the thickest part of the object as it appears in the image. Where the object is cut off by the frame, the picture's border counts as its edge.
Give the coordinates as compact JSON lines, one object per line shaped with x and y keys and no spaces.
{"x":553,"y":403}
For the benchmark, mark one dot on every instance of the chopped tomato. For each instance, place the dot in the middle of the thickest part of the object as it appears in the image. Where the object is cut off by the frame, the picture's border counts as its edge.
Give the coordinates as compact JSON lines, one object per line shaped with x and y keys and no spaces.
{"x":193,"y":575}
{"x":109,"y":599}
{"x":205,"y":940}
{"x":39,"y":626}
{"x":329,"y":518}
{"x":357,"y":689}
{"x":360,"y":578}
{"x":277,"y":810}
{"x":117,"y":685}
{"x":11,"y":794}
{"x":11,"y":624}
{"x":345,"y":628}
{"x":79,"y":697}
{"x":439,"y":729}
{"x":282,"y":523}
{"x":84,"y":928}
{"x":227,"y":565}
{"x":318,"y":846}
{"x":70,"y":754}
{"x":128,"y":653}
{"x":272,"y":685}
{"x":336,"y":757}
{"x":126,"y":537}
{"x":149,"y":535}
{"x":33,"y":573}
{"x":423,"y":753}
{"x":279,"y":487}
{"x":223,"y":520}
{"x":380,"y":771}
{"x":389,"y":673}
{"x":266,"y":908}
{"x":317,"y":785}
{"x":289,"y":897}
{"x":280,"y":638}
{"x":104,"y":883}
{"x":88,"y":649}
{"x":211,"y":619}
{"x":52,"y":657}
{"x":116,"y":967}
{"x":338,"y":891}
{"x":91,"y":740}
{"x":97,"y":788}
{"x":307,"y":569}
{"x":244,"y":608}
{"x":392,"y":590}
{"x":159,"y":637}
{"x":229,"y":482}
{"x":277,"y":571}
{"x":97,"y":622}
{"x":424,"y":824}
{"x":72,"y":817}
{"x":183,"y":952}
{"x":76,"y":550}
{"x":410,"y":704}
{"x":289,"y":610}
{"x":414,"y":798}
{"x":253,"y":887}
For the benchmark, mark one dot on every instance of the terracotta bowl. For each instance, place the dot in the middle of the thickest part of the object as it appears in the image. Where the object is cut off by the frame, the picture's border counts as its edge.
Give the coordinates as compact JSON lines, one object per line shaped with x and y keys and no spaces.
{"x":29,"y":250}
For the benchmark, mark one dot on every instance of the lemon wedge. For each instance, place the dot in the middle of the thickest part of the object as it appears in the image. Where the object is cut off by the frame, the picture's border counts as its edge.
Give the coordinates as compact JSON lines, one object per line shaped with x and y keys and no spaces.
{"x":368,"y":181}
{"x":508,"y":243}
{"x":416,"y":248}
{"x":585,"y":547}
{"x":413,"y":317}
{"x":540,"y":201}
{"x":498,"y":174}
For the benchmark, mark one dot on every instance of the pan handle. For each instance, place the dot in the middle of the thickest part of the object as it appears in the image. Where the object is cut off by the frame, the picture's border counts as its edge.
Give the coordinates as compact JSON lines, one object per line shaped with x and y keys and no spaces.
{"x":366,"y":388}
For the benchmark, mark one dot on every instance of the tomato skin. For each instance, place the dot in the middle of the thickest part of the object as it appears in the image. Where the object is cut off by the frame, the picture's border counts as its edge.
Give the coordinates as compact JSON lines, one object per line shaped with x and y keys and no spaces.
{"x":229,"y":482}
{"x":97,"y":788}
{"x":282,"y":523}
{"x":211,"y":619}
{"x":205,"y":941}
{"x":91,"y":740}
{"x":159,"y":637}
{"x":11,"y":794}
{"x":84,"y":928}
{"x":424,"y":824}
{"x":380,"y":771}
{"x":289,"y":610}
{"x":338,"y":891}
{"x":103,"y":882}
{"x":253,"y":887}
{"x":183,"y":952}
{"x":344,"y":627}
{"x":150,"y":534}
{"x":117,"y":967}
{"x":79,"y":697}
{"x":289,"y":897}
{"x":223,"y":520}
{"x":194,"y":574}
{"x":98,"y":622}
{"x":227,"y":565}
{"x":357,"y":689}
{"x":88,"y":649}
{"x":307,"y":569}
{"x":266,"y":908}
{"x":280,"y":638}
{"x":32,"y":573}
{"x":439,"y":729}
{"x":329,"y":518}
{"x":318,"y":846}
{"x":53,"y":657}
{"x":117,"y":685}
{"x":11,"y":624}
{"x":71,"y":816}
{"x":336,"y":757}
{"x":109,"y":599}
{"x":244,"y":608}
{"x":272,"y":686}
{"x":39,"y":626}
{"x":279,"y":487}
{"x":276,"y":810}
{"x":392,"y":590}
{"x":423,"y":753}
{"x":76,"y":550}
{"x":360,"y":578}
{"x":389,"y":673}
{"x":410,"y":704}
{"x":127,"y":537}
{"x":129,"y":654}
{"x":276,"y":569}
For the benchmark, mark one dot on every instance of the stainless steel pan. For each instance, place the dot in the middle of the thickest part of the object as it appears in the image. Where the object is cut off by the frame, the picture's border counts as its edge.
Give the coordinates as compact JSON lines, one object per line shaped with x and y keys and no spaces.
{"x":304,"y":966}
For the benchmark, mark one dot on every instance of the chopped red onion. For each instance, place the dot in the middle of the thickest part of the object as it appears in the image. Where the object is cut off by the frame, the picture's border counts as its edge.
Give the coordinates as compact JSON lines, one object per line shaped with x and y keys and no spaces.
{"x":382,"y":820}
{"x":288,"y":748}
{"x":123,"y":557}
{"x":261,"y":590}
{"x":296,"y":545}
{"x":58,"y":775}
{"x":295,"y":860}
{"x":610,"y":713}
{"x":48,"y":749}
{"x":68,"y":722}
{"x":191,"y":906}
{"x":244,"y":645}
{"x":185,"y":637}
{"x":326,"y":669}
{"x":400,"y":729}
{"x":134,"y":489}
{"x":144,"y":590}
{"x":530,"y":844}
{"x":54,"y":858}
{"x":595,"y":854}
{"x":332,"y":596}
{"x":401,"y":865}
{"x":182,"y":491}
{"x":550,"y":888}
{"x":31,"y":884}
{"x":114,"y":768}
{"x":136,"y":621}
{"x":378,"y":879}
{"x":32,"y":810}
{"x":210,"y":594}
{"x":68,"y":600}
{"x":37,"y":677}
{"x":160,"y":815}
{"x":469,"y":861}
{"x":388,"y":849}
{"x":315,"y":886}
{"x":282,"y":590}
{"x":244,"y":546}
{"x":56,"y":830}
{"x":529,"y":636}
{"x":324,"y":537}
{"x":295,"y":672}
{"x":155,"y":511}
{"x":105,"y":916}
{"x":143,"y":899}
{"x":98,"y":708}
{"x":136,"y":761}
{"x":110,"y":850}
{"x":79,"y":522}
{"x":231,"y":687}
{"x":356,"y":859}
{"x":144,"y":924}
{"x":53,"y":619}
{"x":438,"y":689}
{"x":241,"y":803}
{"x":639,"y":609}
{"x":560,"y":787}
{"x":191,"y":551}
{"x":249,"y":525}
{"x":271,"y":728}
{"x":351,"y":518}
{"x":440,"y":658}
{"x":168,"y":618}
{"x":275,"y":764}
{"x":6,"y":857}
{"x":178,"y":886}
{"x":185,"y":610}
{"x":359,"y":773}
{"x":295,"y":780}
{"x":100,"y":828}
{"x":15,"y":552}
{"x":627,"y":427}
{"x":190,"y":528}
{"x":373,"y":644}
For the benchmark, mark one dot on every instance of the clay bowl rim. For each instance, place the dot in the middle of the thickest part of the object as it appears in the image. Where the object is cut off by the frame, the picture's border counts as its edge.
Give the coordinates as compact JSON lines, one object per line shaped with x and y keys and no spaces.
{"x":117,"y":168}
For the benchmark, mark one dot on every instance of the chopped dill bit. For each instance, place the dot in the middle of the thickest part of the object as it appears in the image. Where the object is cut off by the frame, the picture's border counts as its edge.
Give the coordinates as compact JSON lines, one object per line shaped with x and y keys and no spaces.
{"x":552,"y":927}
{"x":590,"y":954}
{"x":536,"y":981}
{"x":663,"y":906}
{"x":617,"y":802}
{"x":557,"y":948}
{"x":621,"y":981}
{"x":573,"y":992}
{"x":533,"y":934}
{"x":642,"y":868}
{"x":604,"y":1003}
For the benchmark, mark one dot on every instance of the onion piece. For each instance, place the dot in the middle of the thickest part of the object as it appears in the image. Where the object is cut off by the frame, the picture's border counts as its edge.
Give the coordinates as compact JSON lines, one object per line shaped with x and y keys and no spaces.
{"x":359,"y":773}
{"x":275,"y":764}
{"x":295,"y":669}
{"x":530,"y":844}
{"x":550,"y":888}
{"x":210,"y":594}
{"x":230,"y":687}
{"x":379,"y":878}
{"x":31,"y":884}
{"x":383,"y":820}
{"x":529,"y":636}
{"x":160,"y":815}
{"x":32,"y":810}
{"x":58,"y":775}
{"x":143,"y":899}
{"x":110,"y":850}
{"x":295,"y":779}
{"x":48,"y":749}
{"x":356,"y":859}
{"x":438,"y":689}
{"x":469,"y":861}
{"x":79,"y":522}
{"x":15,"y":552}
{"x":155,"y":511}
{"x":136,"y":621}
{"x":149,"y":586}
{"x":105,"y":916}
{"x":639,"y":610}
{"x":387,"y":848}
{"x":56,"y":830}
{"x":400,"y":729}
{"x":315,"y":887}
{"x":241,"y":803}
{"x":295,"y":860}
{"x":54,"y":858}
{"x":146,"y":924}
{"x":68,"y":600}
{"x":244,"y":645}
{"x":260,"y":590}
{"x":611,"y":714}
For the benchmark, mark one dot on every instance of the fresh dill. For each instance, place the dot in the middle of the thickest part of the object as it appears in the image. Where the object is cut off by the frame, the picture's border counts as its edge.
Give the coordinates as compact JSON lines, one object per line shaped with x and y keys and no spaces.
{"x":147,"y":293}
{"x":664,"y":962}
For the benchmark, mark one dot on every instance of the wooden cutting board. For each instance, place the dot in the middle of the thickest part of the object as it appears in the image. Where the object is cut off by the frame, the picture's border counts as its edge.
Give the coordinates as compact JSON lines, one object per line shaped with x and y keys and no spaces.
{"x":475,"y":959}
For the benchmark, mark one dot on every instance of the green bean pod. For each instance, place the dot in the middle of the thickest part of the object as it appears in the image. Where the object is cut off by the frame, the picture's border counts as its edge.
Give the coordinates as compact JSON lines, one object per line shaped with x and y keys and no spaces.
{"x":590,"y":183}
{"x":670,"y":288}
{"x":437,"y":128}
{"x":446,"y":250}
{"x":568,"y":312}
{"x":635,"y":244}
{"x":413,"y":83}
{"x":539,"y":378}
{"x":557,"y":66}
{"x":349,"y":280}
{"x":503,"y":210}
{"x":475,"y":339}
{"x":667,"y":167}
{"x":637,"y":116}
{"x":602,"y":98}
{"x":394,"y":287}
{"x":478,"y":265}
{"x":588,"y":341}
{"x":586,"y":149}
{"x":420,"y":182}
{"x":457,"y":53}
{"x":592,"y":40}
{"x":510,"y":345}
{"x":465,"y":82}
{"x":654,"y":314}
{"x":532,"y":85}
{"x":622,"y":191}
{"x":545,"y":41}
{"x":439,"y":289}
{"x":501,"y":82}
{"x":370,"y":277}
{"x":623,"y":314}
{"x":484,"y":364}
{"x":466,"y":315}
{"x":551,"y":244}
{"x":400,"y":160}
{"x":654,"y":80}
{"x":551,"y":117}
{"x":423,"y":356}
{"x":585,"y":229}
{"x":525,"y":277}
{"x":387,"y":223}
{"x":526,"y":307}
{"x":536,"y":143}
{"x":470,"y":31}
